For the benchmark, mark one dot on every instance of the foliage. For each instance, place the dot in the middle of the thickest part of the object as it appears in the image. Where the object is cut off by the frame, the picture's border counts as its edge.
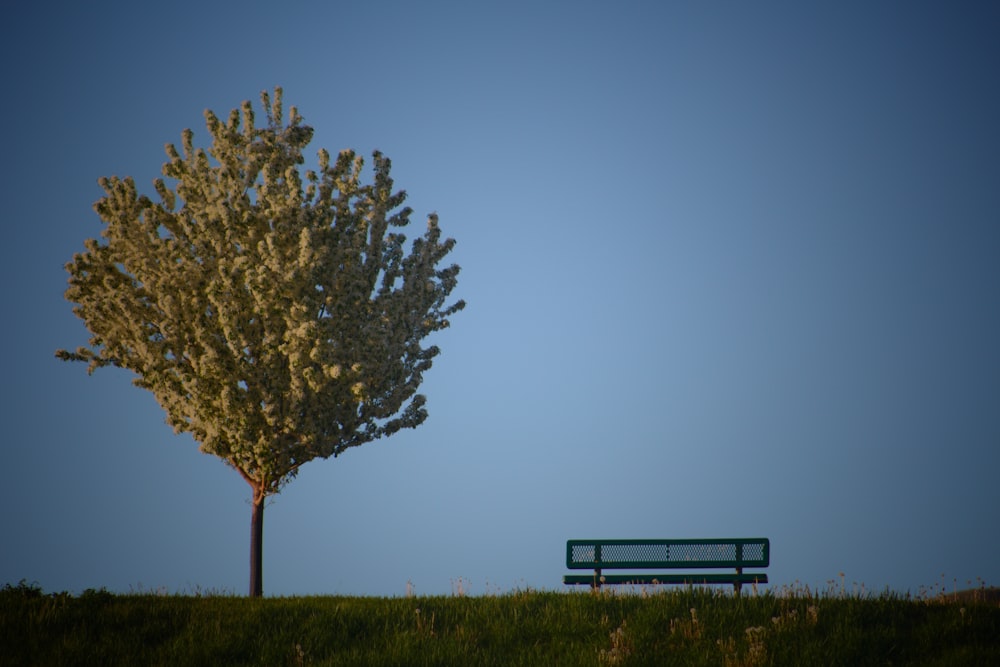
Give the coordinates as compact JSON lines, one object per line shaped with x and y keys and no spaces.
{"x":677,"y":627}
{"x":277,"y":320}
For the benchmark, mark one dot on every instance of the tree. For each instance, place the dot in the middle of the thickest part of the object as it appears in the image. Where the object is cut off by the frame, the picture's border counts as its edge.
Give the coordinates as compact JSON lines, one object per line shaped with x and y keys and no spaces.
{"x":276,"y":319}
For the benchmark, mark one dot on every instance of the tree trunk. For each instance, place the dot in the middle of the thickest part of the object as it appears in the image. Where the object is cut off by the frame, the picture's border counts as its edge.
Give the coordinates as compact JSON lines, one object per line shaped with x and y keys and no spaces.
{"x":257,"y":546}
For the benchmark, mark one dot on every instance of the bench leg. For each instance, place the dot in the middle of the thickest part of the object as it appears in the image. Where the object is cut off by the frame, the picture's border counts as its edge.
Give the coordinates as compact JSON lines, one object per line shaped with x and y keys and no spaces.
{"x":738,"y":585}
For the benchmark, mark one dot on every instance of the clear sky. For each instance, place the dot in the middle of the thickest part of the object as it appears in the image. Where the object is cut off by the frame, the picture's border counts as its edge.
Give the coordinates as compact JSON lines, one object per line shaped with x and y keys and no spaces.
{"x":731,"y":268}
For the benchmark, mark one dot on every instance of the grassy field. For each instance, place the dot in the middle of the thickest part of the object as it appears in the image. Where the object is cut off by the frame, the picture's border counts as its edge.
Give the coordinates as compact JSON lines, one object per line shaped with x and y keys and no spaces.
{"x":677,"y":626}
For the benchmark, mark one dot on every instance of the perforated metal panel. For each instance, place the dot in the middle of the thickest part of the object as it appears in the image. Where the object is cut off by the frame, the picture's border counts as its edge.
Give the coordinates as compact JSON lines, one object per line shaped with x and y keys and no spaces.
{"x":740,"y":552}
{"x":756,"y":552}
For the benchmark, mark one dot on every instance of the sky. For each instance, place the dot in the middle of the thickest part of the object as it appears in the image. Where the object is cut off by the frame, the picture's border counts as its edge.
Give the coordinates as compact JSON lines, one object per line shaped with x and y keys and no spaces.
{"x":731,"y":270}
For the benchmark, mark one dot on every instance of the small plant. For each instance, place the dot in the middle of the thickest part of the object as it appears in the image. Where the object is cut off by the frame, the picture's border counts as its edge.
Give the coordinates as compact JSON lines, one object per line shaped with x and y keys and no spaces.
{"x":620,"y":649}
{"x":300,"y":655}
{"x":425,"y":628}
{"x":755,"y":653}
{"x":689,"y":630}
{"x":756,"y":650}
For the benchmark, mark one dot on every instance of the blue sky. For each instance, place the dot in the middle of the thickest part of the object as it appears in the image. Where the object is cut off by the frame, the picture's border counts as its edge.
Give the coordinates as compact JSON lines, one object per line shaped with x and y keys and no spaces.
{"x":732,"y":269}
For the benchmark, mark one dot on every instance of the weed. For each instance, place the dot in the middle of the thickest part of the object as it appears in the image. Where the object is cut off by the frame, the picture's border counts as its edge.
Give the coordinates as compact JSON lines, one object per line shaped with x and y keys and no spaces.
{"x":620,"y":649}
{"x":425,"y":628}
{"x":688,"y":629}
{"x":300,"y":655}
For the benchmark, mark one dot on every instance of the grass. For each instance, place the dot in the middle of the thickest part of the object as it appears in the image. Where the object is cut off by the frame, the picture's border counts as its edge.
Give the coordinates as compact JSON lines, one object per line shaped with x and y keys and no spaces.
{"x":641,"y":626}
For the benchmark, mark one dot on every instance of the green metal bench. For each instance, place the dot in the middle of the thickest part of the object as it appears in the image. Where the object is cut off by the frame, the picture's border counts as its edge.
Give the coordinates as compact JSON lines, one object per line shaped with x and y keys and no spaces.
{"x":600,"y":555}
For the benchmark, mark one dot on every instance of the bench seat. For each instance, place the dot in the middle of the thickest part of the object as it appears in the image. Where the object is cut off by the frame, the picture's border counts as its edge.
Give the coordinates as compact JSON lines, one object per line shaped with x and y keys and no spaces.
{"x":692,"y":578}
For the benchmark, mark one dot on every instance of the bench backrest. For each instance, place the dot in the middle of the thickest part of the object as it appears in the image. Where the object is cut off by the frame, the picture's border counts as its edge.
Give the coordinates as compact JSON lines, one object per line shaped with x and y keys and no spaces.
{"x":626,"y":554}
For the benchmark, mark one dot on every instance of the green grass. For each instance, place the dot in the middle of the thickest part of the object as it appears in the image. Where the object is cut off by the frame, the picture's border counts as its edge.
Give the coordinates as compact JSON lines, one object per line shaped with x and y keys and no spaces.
{"x":677,"y":626}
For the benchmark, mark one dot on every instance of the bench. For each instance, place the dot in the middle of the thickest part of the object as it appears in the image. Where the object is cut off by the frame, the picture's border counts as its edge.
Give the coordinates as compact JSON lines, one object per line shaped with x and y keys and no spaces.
{"x":600,"y":555}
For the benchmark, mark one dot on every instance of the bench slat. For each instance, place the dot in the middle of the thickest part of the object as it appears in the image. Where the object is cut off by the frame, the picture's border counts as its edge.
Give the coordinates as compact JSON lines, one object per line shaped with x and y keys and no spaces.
{"x":693,"y":579}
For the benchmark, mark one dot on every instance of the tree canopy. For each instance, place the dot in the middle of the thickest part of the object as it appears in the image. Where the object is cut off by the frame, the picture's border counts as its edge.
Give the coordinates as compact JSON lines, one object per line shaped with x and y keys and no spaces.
{"x":277,"y":316}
